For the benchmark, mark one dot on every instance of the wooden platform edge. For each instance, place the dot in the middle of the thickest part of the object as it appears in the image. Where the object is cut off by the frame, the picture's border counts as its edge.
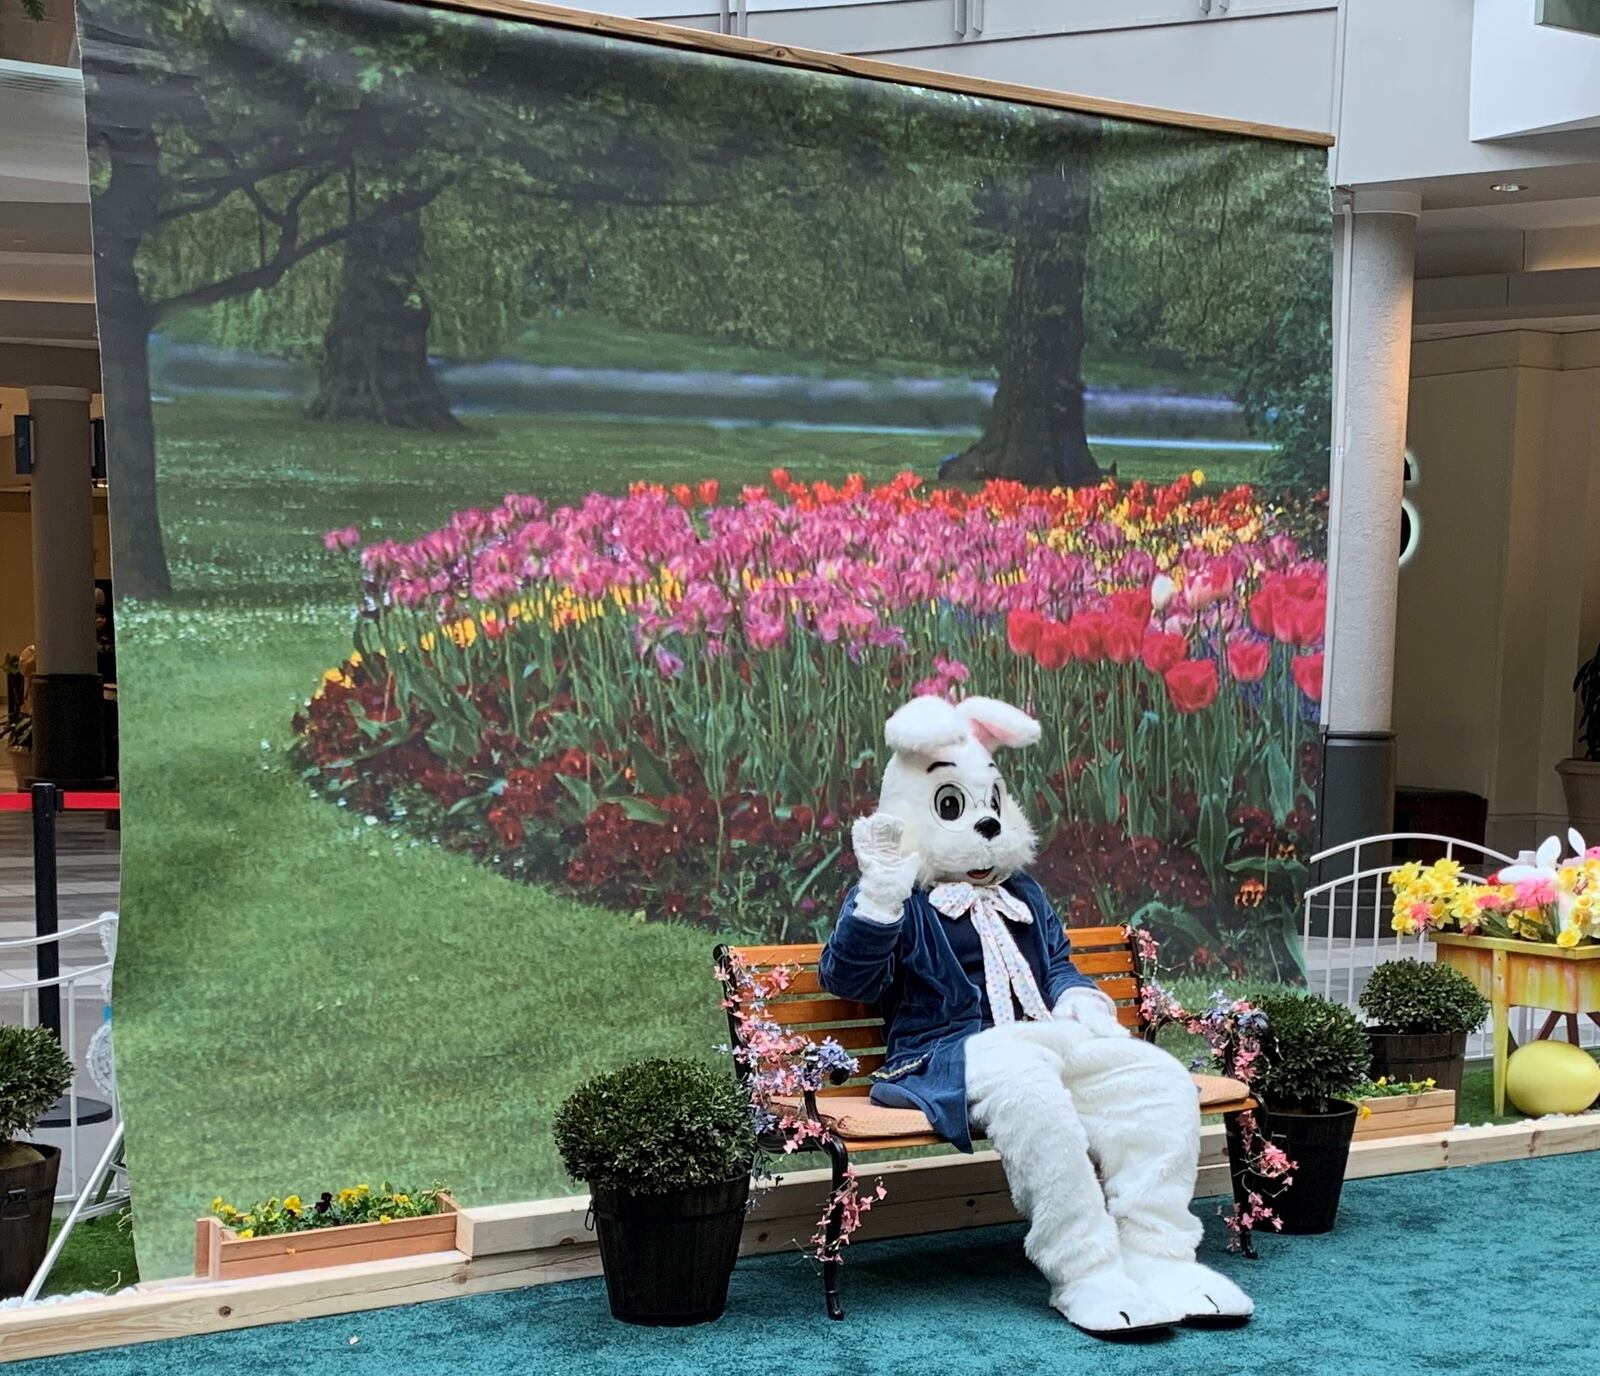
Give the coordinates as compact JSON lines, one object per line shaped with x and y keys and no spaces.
{"x":509,"y":1246}
{"x":869,"y":68}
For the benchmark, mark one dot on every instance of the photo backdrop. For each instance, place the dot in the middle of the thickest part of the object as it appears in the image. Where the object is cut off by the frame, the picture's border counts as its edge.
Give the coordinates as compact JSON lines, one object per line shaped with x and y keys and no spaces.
{"x":541,"y":460}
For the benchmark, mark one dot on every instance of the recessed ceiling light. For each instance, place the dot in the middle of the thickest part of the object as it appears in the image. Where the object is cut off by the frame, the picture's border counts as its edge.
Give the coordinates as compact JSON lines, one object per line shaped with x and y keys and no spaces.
{"x":1508,"y":188}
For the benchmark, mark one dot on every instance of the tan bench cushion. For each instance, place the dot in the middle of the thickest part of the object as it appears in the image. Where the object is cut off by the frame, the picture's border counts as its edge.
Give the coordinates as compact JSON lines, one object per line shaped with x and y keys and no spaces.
{"x":855,"y":1115}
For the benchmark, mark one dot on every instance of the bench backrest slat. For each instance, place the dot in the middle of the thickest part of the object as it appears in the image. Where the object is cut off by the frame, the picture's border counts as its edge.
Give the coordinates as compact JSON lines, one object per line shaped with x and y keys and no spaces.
{"x":1103,"y":953}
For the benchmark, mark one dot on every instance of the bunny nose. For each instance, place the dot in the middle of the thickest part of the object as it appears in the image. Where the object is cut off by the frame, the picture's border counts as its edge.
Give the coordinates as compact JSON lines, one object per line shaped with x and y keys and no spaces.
{"x":987,"y":827}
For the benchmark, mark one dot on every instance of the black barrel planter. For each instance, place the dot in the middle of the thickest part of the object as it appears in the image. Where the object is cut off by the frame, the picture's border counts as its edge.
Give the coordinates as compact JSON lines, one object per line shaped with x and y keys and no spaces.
{"x":1319,"y":1146}
{"x":27,"y":1197}
{"x":1416,"y":1056}
{"x":668,"y":1257}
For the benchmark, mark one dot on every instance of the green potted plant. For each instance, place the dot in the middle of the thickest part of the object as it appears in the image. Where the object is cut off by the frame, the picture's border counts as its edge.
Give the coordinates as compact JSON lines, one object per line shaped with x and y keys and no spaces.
{"x":1421,"y":1015}
{"x":666,"y":1148}
{"x":16,"y":734}
{"x":1580,"y":775}
{"x":37,"y":31}
{"x":34,"y":1073}
{"x":1314,"y":1056}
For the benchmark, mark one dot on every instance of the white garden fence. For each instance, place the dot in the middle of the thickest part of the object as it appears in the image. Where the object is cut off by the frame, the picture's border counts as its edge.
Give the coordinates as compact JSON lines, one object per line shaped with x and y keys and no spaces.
{"x":1345,"y":932}
{"x":85,"y":1125}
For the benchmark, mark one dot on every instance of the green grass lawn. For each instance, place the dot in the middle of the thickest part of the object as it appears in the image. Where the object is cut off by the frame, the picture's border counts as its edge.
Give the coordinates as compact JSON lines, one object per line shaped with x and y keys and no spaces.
{"x":305,"y":1000}
{"x":98,"y":1256}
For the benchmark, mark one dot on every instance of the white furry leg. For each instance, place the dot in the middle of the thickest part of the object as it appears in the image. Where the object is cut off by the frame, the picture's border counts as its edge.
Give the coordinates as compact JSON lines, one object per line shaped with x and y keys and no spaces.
{"x":1142,"y":1117}
{"x":1016,"y":1095}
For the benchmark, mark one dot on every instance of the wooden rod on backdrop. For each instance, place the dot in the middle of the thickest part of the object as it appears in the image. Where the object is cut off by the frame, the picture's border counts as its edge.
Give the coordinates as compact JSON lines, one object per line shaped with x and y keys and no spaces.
{"x":730,"y":45}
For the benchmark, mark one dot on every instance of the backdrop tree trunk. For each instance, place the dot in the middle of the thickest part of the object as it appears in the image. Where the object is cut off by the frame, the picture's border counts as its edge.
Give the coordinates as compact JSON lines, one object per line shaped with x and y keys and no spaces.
{"x":375,"y":354}
{"x":1034,"y":432}
{"x":123,"y":214}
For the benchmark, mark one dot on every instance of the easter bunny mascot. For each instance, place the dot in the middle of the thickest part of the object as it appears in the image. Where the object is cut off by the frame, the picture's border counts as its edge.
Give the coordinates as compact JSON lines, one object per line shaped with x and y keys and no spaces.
{"x":990,"y":1027}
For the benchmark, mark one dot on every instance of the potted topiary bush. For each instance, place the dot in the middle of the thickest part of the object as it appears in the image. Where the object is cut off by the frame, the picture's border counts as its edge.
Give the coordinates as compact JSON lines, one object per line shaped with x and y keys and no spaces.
{"x":666,"y":1148}
{"x":1421,"y":1013}
{"x":1314,"y":1055}
{"x":34,"y":1073}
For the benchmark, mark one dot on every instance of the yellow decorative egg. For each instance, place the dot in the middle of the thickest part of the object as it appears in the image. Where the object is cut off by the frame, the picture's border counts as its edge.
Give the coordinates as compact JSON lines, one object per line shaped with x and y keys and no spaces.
{"x":1552,"y":1077}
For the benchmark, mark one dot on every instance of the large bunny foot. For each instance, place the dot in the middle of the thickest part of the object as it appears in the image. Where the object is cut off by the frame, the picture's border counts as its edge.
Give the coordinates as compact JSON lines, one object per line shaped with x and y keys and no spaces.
{"x":1107,"y":1304}
{"x":1196,"y":1292}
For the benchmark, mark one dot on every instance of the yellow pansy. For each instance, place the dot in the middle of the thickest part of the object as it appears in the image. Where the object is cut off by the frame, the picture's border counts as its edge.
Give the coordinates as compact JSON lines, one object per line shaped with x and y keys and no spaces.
{"x":247,"y":1233}
{"x":292,"y":1204}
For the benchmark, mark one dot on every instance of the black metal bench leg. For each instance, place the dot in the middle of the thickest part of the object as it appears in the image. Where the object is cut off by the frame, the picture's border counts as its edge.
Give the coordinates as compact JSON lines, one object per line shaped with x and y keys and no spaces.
{"x":1238,"y":1160}
{"x":840,"y":1157}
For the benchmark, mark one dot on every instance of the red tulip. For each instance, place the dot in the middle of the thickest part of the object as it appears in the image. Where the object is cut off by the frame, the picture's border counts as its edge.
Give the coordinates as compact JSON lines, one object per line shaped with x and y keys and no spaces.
{"x":1132,"y":603}
{"x":683,"y":494}
{"x":1055,"y":646}
{"x":1248,"y":659}
{"x":1192,"y":685}
{"x":1123,"y":638}
{"x":1023,"y":629}
{"x":707,"y":491}
{"x":1163,"y":649}
{"x":1307,"y":670}
{"x":1300,"y":621}
{"x":1086,"y":634}
{"x":1264,"y":608}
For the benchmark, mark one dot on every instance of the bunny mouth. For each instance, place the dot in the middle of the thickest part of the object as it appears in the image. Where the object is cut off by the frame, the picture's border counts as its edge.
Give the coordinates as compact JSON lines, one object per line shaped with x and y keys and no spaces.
{"x":981,"y":876}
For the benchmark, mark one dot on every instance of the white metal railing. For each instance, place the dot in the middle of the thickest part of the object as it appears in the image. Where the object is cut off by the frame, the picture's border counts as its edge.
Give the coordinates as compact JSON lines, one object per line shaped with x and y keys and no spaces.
{"x":19,"y":1004}
{"x":1345,"y":932}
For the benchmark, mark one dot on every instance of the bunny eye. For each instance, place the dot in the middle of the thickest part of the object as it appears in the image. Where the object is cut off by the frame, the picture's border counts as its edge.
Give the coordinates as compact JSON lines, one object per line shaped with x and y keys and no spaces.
{"x":948,"y":803}
{"x":994,"y":799}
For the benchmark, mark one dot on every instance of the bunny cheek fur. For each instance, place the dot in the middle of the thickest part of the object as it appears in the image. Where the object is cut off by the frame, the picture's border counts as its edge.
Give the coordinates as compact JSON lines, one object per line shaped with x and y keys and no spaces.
{"x":918,"y":788}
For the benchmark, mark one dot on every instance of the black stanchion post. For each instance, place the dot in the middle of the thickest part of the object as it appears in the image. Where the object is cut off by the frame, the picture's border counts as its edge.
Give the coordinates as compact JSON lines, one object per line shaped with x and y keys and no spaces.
{"x":46,"y":914}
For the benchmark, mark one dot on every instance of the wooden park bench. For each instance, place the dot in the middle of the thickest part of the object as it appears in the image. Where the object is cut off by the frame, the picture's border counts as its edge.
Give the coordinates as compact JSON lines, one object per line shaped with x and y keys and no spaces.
{"x":853,"y":1123}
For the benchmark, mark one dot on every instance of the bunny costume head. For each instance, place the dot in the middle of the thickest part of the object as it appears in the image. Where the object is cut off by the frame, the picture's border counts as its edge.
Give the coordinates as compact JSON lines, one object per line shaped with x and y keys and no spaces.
{"x":947,"y":791}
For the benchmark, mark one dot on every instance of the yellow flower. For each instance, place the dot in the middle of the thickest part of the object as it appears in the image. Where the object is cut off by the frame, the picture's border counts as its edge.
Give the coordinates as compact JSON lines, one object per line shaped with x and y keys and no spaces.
{"x":363,"y":1189}
{"x":1569,"y":937}
{"x":384,"y":1218}
{"x":1366,"y":1109}
{"x":402,"y":1199}
{"x":348,"y":1196}
{"x":247,"y":1233}
{"x":1431,"y":1082}
{"x":292,"y":1204}
{"x":1198,"y":477}
{"x":217,"y":1205}
{"x":332,"y":675}
{"x":1383,"y":1079}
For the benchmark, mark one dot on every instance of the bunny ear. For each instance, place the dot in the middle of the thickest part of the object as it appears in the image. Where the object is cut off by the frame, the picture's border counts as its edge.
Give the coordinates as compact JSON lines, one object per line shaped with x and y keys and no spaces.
{"x":1575,"y":840}
{"x":997,"y":723}
{"x":924,"y":724}
{"x":1548,"y":853}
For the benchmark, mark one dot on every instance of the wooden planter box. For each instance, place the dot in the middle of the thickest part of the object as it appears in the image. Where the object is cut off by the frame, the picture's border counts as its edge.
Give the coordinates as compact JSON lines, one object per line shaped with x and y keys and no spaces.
{"x":221,"y":1254}
{"x":1404,"y":1115}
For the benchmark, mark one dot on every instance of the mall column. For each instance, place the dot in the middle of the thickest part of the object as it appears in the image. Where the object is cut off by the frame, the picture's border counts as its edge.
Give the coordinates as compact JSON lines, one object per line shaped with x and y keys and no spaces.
{"x":68,"y":714}
{"x":1373,"y":385}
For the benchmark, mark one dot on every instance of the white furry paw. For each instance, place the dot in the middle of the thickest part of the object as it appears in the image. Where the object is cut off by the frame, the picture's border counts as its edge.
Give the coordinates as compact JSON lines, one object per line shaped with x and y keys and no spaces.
{"x":1197,"y":1292}
{"x":1107,"y":1304}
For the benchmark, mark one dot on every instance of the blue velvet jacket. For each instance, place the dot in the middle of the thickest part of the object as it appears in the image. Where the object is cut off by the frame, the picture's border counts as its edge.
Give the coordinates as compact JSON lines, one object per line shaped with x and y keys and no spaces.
{"x":930,"y":1005}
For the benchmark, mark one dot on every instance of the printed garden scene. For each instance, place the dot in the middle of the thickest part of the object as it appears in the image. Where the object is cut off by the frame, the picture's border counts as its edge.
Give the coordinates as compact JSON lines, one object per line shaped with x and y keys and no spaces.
{"x":539,"y":475}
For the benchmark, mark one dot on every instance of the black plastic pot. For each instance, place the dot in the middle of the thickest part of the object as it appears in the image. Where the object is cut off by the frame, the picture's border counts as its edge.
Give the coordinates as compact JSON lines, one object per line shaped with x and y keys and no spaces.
{"x":27,"y":1197}
{"x":668,"y":1257}
{"x":1319,"y":1145}
{"x":1406,"y":1056}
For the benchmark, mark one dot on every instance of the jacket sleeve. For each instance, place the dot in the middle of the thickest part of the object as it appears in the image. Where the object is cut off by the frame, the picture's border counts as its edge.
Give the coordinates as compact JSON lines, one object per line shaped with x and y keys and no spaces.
{"x":860,"y":958}
{"x":1061,"y":973}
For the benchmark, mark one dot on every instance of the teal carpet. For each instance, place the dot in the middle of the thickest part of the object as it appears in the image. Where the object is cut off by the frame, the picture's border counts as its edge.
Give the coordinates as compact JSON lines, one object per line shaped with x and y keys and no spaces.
{"x":1484,"y":1270}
